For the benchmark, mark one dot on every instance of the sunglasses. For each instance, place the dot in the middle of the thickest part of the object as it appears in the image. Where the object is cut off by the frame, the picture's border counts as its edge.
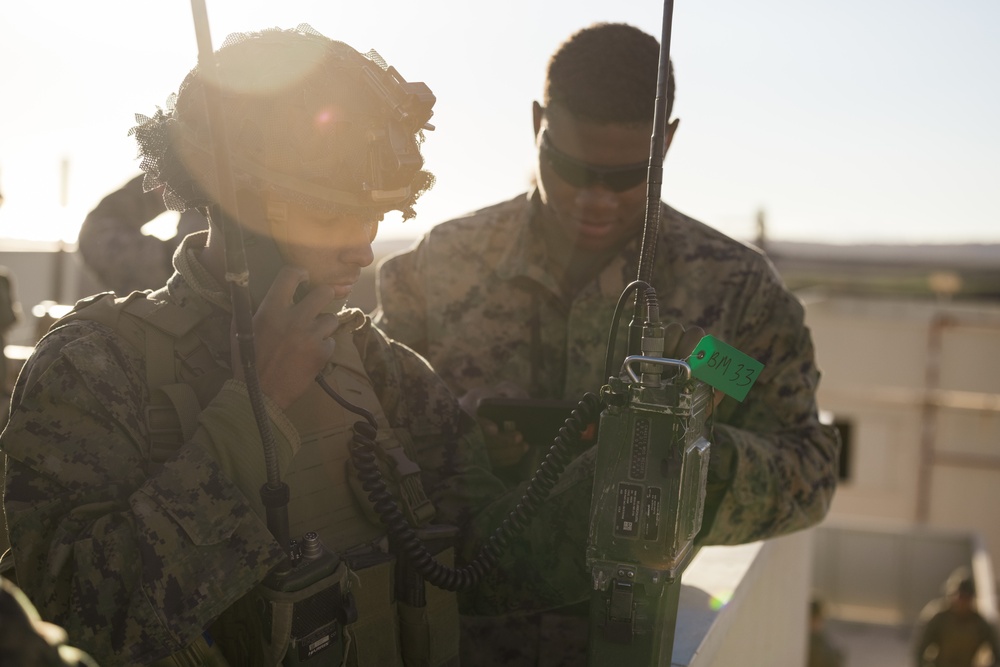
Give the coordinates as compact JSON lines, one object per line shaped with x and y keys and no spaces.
{"x":582,"y":174}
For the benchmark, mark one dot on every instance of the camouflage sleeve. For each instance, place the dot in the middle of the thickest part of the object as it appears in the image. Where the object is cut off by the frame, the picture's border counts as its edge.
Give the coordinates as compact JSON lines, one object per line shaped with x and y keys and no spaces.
{"x":541,"y":569}
{"x":773,"y":465}
{"x":133,"y":560}
{"x":113,"y":247}
{"x":401,"y":311}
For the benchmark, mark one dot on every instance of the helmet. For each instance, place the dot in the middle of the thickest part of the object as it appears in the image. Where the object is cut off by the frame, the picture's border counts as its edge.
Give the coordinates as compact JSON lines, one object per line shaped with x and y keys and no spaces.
{"x":306,"y":117}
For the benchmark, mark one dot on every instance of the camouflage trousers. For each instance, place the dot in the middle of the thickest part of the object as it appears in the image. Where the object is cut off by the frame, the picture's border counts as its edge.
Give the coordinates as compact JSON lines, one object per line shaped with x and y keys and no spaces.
{"x":556,"y":638}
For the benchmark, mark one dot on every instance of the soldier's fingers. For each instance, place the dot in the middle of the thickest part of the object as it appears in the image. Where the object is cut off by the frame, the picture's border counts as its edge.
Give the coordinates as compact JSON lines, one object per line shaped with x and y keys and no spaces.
{"x":507,"y":449}
{"x":689,"y":341}
{"x":283,"y":288}
{"x":672,"y":334}
{"x":326,"y":324}
{"x":489,"y":427}
{"x":316,"y":299}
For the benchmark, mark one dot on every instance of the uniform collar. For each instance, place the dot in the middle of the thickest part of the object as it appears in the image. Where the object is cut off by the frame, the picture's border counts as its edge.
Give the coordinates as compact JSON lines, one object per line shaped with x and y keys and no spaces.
{"x":192,"y":275}
{"x":193,"y":279}
{"x":526,"y":254}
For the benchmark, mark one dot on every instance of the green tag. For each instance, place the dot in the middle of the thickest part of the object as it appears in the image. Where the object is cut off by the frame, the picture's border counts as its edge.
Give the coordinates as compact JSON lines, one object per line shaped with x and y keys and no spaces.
{"x":724,"y":367}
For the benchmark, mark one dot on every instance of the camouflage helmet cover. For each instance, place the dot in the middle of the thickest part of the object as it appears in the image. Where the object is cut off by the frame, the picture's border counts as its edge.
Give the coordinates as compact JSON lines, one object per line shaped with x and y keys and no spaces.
{"x":305,"y":116}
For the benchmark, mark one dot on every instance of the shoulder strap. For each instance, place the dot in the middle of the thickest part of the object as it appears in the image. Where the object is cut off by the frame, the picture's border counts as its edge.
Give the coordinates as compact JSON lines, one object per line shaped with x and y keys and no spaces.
{"x":172,"y":414}
{"x":153,"y":325}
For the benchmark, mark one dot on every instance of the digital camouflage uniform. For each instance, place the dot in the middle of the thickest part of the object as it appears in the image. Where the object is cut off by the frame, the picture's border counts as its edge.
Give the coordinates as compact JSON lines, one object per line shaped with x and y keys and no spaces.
{"x":477,"y":298}
{"x":113,"y":246}
{"x":136,"y":560}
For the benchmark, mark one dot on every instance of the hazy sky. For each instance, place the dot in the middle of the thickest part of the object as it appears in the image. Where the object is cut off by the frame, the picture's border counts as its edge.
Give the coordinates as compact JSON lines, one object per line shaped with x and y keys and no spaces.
{"x":855,"y":120}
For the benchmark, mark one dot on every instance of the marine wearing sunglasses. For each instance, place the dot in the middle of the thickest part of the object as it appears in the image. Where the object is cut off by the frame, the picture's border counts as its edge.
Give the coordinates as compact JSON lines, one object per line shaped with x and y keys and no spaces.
{"x":581,"y":174}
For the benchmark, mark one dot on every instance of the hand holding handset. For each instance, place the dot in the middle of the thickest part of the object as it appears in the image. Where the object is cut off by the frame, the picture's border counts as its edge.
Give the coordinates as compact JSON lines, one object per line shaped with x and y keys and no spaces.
{"x":292,"y":337}
{"x":264,"y":258}
{"x":292,"y":341}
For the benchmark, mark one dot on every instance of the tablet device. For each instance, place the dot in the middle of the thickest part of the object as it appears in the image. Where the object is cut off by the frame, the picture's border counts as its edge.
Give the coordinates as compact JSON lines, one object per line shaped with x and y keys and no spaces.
{"x":538,"y":420}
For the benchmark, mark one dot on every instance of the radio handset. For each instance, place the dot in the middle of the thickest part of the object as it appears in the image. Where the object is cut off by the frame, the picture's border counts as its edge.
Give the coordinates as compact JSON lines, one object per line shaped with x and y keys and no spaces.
{"x":264,"y":256}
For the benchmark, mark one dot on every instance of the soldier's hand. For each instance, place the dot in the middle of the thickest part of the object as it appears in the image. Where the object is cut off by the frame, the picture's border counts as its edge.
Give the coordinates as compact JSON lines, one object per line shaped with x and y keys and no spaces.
{"x":504,"y":443}
{"x":292,"y":340}
{"x":679,"y":342}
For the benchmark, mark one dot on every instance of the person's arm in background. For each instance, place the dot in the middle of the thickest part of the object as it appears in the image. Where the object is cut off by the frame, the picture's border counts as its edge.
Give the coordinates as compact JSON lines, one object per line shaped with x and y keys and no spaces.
{"x":774,"y":466}
{"x":402,"y":308}
{"x":114,"y":248}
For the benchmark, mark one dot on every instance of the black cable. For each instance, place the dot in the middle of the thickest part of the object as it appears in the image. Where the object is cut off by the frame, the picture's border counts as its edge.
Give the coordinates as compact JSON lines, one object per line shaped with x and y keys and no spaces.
{"x":400,"y":531}
{"x":344,"y":403}
{"x":613,"y":333}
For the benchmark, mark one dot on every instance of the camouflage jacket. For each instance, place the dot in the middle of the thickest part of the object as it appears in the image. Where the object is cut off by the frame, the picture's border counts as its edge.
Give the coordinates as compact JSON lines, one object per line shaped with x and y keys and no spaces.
{"x":135,"y":560}
{"x":477,"y":299}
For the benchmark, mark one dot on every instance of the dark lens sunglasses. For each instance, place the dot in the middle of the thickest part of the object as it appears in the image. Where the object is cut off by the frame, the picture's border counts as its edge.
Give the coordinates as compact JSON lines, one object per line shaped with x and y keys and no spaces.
{"x":582,"y":174}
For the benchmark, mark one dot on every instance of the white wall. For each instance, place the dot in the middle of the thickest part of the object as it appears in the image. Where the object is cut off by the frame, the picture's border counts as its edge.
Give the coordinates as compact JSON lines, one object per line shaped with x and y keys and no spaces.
{"x":764,"y":622}
{"x":920,"y":381}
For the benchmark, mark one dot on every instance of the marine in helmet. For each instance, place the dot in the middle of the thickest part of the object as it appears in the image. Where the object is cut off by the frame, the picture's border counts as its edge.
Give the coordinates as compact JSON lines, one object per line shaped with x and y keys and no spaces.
{"x":516,"y":299}
{"x":135,"y":464}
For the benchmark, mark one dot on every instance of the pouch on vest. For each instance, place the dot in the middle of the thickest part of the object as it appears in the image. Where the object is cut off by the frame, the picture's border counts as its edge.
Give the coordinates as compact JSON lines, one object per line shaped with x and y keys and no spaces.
{"x":373,"y":640}
{"x":298,"y":626}
{"x":428,"y":621}
{"x":201,"y":653}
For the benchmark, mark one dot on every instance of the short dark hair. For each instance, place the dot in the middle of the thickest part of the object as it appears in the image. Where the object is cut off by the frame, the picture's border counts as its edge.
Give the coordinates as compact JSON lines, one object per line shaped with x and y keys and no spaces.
{"x":606,"y":73}
{"x":960,"y":582}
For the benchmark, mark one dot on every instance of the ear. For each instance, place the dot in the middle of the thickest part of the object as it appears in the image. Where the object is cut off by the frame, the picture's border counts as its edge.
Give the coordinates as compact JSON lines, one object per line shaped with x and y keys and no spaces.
{"x":671,"y":131}
{"x":537,"y":111}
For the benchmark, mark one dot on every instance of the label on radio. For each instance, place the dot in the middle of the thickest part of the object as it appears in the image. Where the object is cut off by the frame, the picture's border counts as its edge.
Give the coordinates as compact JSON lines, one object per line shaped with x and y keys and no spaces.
{"x":724,"y":367}
{"x":628,"y":510}
{"x":651,"y":510}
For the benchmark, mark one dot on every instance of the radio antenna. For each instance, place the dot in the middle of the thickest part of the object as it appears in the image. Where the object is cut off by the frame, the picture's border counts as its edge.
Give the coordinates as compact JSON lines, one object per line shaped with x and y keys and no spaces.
{"x":274,"y":493}
{"x":654,"y":177}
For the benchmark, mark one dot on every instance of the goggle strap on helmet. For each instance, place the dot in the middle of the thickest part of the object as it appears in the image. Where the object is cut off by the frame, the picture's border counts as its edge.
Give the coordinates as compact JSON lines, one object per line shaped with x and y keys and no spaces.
{"x":328,"y":196}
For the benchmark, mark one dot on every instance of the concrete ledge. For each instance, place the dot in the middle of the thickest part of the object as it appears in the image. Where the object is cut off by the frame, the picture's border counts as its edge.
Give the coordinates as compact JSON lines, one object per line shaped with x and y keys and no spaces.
{"x":745,"y":604}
